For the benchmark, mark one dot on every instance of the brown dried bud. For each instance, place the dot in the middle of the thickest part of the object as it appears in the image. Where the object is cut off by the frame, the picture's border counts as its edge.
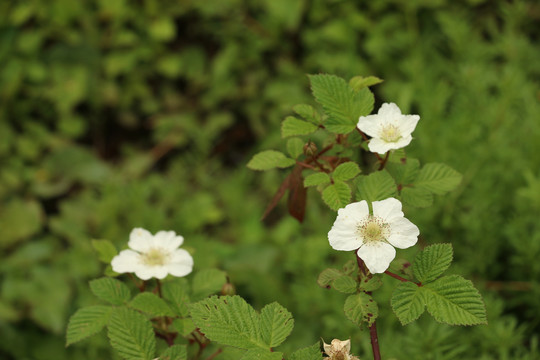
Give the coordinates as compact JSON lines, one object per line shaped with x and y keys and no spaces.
{"x":228,"y":289}
{"x":310,"y":149}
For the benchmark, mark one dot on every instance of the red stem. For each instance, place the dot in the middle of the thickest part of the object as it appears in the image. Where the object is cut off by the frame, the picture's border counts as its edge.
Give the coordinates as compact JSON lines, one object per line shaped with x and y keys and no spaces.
{"x":396,"y":276}
{"x":374,"y":342}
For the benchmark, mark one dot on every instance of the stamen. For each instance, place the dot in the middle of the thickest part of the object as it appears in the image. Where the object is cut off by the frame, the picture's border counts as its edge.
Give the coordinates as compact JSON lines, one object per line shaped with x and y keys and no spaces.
{"x":373,"y":228}
{"x":390,"y":133}
{"x":154,"y":257}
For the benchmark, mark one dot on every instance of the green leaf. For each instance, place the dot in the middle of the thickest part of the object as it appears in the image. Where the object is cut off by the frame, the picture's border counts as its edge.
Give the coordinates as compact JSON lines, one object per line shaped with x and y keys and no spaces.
{"x":376,"y":186}
{"x":438,"y":178}
{"x":175,"y":352}
{"x":316,"y":179}
{"x":131,"y":334}
{"x":105,"y":249}
{"x":370,"y":284}
{"x":111,"y":290}
{"x":327,"y":276}
{"x":292,"y":126}
{"x":295,"y":147}
{"x":337,"y":195}
{"x":276,"y":324}
{"x":207,"y":282}
{"x":345,"y":284}
{"x":340,"y":102}
{"x":151,"y":304}
{"x":259,"y":354}
{"x":184,"y":326}
{"x":361,"y":308}
{"x":454,"y":300}
{"x":269,"y":159}
{"x":408,"y":302}
{"x":228,"y":320}
{"x":417,"y":197}
{"x":308,"y":113}
{"x":175,"y":293}
{"x":312,"y":352}
{"x":431,"y":262}
{"x":404,"y":173}
{"x":87,"y":321}
{"x":346,"y":171}
{"x":360,"y":82}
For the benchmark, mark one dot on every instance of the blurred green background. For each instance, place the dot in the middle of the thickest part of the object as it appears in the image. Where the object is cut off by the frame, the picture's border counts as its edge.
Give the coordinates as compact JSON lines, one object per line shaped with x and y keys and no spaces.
{"x":117,"y":114}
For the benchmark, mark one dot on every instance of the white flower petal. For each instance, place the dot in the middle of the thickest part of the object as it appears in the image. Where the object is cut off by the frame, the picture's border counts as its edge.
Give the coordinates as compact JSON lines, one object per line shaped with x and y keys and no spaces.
{"x":344,"y":237}
{"x":389,"y":111}
{"x":356,"y":211}
{"x":403,"y":233}
{"x":401,"y":143}
{"x":179,"y":269}
{"x":387,"y":209}
{"x":369,"y":125}
{"x":167,"y":240}
{"x":379,"y":146}
{"x":407,"y":123}
{"x":140,"y":239}
{"x":147,"y":272}
{"x":126,"y":261}
{"x":377,"y":256}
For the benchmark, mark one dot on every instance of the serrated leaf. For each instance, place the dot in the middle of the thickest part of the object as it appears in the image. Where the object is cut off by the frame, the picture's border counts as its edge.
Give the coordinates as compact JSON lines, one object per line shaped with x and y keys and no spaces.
{"x":111,"y":290}
{"x":346,"y":171}
{"x":361,"y":308}
{"x":292,"y":126}
{"x":175,"y":352}
{"x":131,"y":334}
{"x":259,"y":354}
{"x":370,"y":284}
{"x":404,"y":173}
{"x":105,"y":249}
{"x":349,"y":267}
{"x":341,"y":103}
{"x":184,"y":326}
{"x":376,"y":186}
{"x":408,"y":302}
{"x":228,"y":320}
{"x":207,"y":282}
{"x":337,"y":195}
{"x":175,"y":294}
{"x":345,"y":284}
{"x":416,"y":197}
{"x":316,"y":179}
{"x":327,"y":276}
{"x":269,"y":159}
{"x":454,"y":300}
{"x":360,"y":82}
{"x":308,"y":113}
{"x":295,"y":147}
{"x":276,"y":324}
{"x":431,"y":262}
{"x":312,"y":352}
{"x":438,"y":178}
{"x":87,"y":321}
{"x":151,"y":304}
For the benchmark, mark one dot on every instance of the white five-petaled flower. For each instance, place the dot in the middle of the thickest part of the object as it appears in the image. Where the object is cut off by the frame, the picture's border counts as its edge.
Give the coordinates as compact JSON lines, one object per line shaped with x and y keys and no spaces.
{"x":374,"y":236}
{"x":339,"y":350}
{"x":153,"y":255}
{"x":389,"y":129}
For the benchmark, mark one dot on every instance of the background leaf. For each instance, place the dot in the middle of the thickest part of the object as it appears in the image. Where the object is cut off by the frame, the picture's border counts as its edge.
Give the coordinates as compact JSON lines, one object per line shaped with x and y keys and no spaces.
{"x":438,"y":178}
{"x":269,"y":159}
{"x":292,"y":126}
{"x":151,"y":304}
{"x":207,"y":282}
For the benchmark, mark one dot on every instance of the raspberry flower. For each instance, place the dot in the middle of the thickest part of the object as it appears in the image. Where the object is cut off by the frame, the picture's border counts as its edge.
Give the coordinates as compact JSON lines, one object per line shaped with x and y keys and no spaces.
{"x":389,"y":129}
{"x":374,"y":236}
{"x":339,"y":350}
{"x":153,"y":255}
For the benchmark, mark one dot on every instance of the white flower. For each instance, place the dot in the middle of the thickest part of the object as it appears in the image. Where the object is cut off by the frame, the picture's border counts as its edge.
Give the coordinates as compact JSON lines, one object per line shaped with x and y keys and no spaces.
{"x":153,"y":255}
{"x":339,"y":350}
{"x":374,"y":236}
{"x":389,"y":129}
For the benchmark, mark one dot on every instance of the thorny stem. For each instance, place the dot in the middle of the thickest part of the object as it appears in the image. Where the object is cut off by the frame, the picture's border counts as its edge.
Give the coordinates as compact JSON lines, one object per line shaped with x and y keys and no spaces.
{"x":402,"y":279}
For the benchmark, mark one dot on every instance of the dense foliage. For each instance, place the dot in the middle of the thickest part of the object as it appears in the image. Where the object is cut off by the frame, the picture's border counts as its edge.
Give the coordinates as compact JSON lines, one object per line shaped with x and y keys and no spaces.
{"x":117,"y":114}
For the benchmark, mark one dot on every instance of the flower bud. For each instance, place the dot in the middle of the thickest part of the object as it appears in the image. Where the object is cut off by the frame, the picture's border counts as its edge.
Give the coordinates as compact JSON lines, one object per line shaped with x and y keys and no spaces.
{"x":228,"y":289}
{"x":310,"y":149}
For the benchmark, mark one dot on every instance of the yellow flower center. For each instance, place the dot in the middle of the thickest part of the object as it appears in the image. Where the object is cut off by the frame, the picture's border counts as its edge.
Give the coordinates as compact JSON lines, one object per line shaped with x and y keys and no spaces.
{"x":390,"y":133}
{"x":373,"y":229}
{"x":154,"y":257}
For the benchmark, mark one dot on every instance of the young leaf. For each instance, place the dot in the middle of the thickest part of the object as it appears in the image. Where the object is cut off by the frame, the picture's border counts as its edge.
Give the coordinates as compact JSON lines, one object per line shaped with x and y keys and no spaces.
{"x":376,"y":186}
{"x":327,"y":276}
{"x":259,"y":354}
{"x":431,"y":262}
{"x":308,"y":113}
{"x":131,"y":334}
{"x":175,"y":352}
{"x":360,"y":82}
{"x":346,"y":171}
{"x":438,"y":178}
{"x":345,"y":284}
{"x":454,"y":300}
{"x":337,"y":195}
{"x":175,"y":293}
{"x":417,"y":197}
{"x":295,"y":147}
{"x":105,"y":249}
{"x":151,"y":304}
{"x":87,"y":321}
{"x":276,"y":324}
{"x":292,"y":126}
{"x":111,"y":290}
{"x":312,"y":352}
{"x":341,"y":103}
{"x":361,"y":308}
{"x":228,"y":320}
{"x":269,"y":159}
{"x":316,"y":179}
{"x":207,"y":282}
{"x":408,"y":302}
{"x":370,"y":284}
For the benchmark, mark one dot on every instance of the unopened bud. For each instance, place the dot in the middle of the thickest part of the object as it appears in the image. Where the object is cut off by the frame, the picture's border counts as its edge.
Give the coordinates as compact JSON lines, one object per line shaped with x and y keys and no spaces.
{"x":310,"y":149}
{"x":228,"y":289}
